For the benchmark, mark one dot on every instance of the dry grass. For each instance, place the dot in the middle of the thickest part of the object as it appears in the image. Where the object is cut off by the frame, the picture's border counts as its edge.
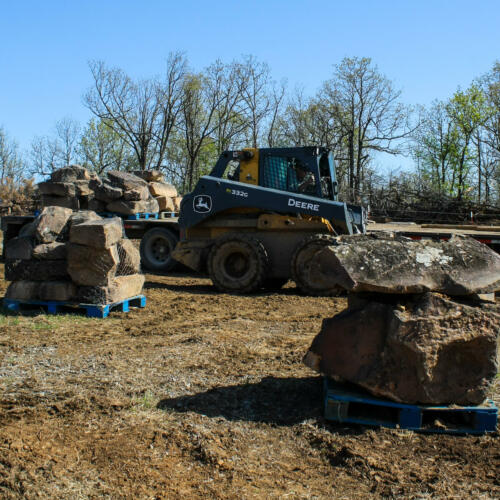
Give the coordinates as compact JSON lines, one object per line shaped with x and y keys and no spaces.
{"x":202,"y":395}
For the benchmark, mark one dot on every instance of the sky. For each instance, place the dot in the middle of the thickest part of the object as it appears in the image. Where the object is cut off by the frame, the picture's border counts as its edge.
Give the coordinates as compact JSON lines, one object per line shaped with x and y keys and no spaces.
{"x":427,"y":48}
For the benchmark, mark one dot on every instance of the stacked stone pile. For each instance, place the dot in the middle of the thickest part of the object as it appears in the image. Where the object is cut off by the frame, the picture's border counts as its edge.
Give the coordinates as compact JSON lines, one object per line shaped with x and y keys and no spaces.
{"x":74,"y":257}
{"x":68,"y":187}
{"x":121,"y":192}
{"x":421,"y":324}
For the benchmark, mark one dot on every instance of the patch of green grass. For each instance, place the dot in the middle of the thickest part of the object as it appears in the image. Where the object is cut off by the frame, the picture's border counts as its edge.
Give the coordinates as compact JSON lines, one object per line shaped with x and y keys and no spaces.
{"x":144,"y":402}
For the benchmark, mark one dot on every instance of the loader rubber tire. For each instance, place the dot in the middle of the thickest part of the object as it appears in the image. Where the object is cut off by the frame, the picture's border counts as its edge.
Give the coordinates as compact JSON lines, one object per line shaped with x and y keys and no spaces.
{"x":238,"y":264}
{"x":301,"y":259}
{"x":156,"y":246}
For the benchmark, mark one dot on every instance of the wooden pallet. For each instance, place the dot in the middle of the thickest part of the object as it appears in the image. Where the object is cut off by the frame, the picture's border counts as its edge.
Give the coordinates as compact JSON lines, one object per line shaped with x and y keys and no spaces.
{"x":345,"y":404}
{"x":140,"y":216}
{"x":91,"y":310}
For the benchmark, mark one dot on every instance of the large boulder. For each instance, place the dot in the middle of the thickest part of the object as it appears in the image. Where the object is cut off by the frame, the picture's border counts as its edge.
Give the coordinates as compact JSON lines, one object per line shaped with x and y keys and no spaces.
{"x":102,"y":233}
{"x":50,"y":251}
{"x":106,"y":192}
{"x":23,"y":290}
{"x":136,"y":194}
{"x":133,"y":207}
{"x":130,"y":258}
{"x":35,"y":270}
{"x":60,"y":201}
{"x":119,"y":288}
{"x":96,"y":205}
{"x":149,"y":175}
{"x":125,"y":180}
{"x":363,"y":263}
{"x":70,"y":173}
{"x":90,"y":266}
{"x":19,"y":248}
{"x":51,"y":223}
{"x":165,"y":204}
{"x":57,"y":290}
{"x":426,"y":349}
{"x":83,"y":216}
{"x":82,"y":188}
{"x":57,"y":188}
{"x":162,"y":189}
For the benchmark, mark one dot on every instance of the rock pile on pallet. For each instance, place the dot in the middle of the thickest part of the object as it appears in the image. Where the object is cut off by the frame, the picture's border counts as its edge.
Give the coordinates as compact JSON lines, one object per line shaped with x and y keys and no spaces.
{"x":421,"y":325}
{"x":72,"y":257}
{"x":121,"y":192}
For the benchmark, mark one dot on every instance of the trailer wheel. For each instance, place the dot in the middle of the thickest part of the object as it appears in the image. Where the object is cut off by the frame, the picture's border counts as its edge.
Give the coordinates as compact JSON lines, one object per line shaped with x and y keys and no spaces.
{"x":238,"y":264}
{"x":156,"y":247}
{"x":300,"y":267}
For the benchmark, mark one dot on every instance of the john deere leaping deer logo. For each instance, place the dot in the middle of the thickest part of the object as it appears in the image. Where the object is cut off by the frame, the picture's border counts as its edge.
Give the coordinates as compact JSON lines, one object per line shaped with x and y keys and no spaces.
{"x":202,"y":203}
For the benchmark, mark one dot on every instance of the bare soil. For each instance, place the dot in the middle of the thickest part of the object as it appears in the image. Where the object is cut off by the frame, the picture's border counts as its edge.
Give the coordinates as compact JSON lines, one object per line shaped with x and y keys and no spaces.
{"x":203,"y":395}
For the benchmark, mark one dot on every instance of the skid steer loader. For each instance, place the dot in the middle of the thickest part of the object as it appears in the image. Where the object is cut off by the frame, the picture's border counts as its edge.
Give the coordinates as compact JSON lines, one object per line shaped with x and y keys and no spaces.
{"x":259,"y":217}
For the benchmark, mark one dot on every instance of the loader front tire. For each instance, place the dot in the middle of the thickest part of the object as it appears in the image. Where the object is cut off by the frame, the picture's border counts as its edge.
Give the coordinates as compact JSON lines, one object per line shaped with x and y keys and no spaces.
{"x":301,"y":266}
{"x":238,"y":264}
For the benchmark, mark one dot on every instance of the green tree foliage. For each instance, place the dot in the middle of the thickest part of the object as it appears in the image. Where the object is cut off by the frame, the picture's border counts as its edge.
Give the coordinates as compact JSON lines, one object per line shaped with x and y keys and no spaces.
{"x":101,"y":148}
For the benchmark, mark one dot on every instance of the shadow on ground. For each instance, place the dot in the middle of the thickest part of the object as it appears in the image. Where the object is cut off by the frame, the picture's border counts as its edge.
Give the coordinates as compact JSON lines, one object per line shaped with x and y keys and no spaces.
{"x":209,"y":289}
{"x":283,"y":401}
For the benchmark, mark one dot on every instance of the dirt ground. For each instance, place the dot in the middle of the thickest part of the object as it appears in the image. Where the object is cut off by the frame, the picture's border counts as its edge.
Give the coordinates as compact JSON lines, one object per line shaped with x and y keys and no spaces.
{"x":203,"y":395}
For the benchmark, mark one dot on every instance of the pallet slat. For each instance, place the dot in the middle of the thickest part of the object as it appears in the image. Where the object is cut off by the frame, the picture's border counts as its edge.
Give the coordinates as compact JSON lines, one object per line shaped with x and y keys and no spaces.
{"x":345,"y":404}
{"x":91,"y":310}
{"x":145,"y":216}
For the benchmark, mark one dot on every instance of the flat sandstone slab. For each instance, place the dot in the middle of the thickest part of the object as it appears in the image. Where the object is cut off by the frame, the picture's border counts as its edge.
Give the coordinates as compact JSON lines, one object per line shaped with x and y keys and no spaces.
{"x":102,"y":233}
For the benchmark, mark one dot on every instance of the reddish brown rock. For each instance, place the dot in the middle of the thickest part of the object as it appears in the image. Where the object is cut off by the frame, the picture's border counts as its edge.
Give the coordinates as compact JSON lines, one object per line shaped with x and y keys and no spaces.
{"x":424,"y":349}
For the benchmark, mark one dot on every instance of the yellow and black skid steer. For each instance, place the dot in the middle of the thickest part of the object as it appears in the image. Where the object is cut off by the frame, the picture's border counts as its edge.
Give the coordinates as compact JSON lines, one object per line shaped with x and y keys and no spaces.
{"x":256,"y":220}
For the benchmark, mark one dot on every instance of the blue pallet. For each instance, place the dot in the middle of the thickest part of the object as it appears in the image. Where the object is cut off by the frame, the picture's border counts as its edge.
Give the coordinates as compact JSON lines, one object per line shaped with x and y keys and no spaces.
{"x":345,"y":404}
{"x":92,"y":310}
{"x":144,"y":216}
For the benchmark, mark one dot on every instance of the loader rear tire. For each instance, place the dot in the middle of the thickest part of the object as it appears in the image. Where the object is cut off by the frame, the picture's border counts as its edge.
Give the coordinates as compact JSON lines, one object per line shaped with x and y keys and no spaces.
{"x":301,"y":261}
{"x":238,"y":264}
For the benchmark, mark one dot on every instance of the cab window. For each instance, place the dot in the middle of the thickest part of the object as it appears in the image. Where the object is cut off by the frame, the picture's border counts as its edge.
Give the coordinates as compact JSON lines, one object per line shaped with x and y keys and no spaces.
{"x":288,"y":174}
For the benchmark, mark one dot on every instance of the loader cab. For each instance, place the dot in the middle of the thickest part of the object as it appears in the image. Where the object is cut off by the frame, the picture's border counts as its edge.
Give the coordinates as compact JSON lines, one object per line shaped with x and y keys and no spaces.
{"x":308,"y":171}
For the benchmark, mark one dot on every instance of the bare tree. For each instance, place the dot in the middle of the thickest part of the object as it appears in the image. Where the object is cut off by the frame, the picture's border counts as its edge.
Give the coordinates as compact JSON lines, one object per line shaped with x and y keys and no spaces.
{"x":255,"y":95}
{"x":367,"y":107}
{"x":143,"y":113}
{"x":67,"y":137}
{"x":11,"y":164}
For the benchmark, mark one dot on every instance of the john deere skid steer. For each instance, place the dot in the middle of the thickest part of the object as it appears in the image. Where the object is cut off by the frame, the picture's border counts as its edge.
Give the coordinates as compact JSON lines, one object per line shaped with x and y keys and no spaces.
{"x":260,"y":215}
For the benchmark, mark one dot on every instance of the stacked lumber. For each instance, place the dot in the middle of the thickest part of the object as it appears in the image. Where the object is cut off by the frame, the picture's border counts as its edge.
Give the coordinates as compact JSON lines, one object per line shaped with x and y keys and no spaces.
{"x":72,"y":257}
{"x":421,"y":325}
{"x":123,"y":193}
